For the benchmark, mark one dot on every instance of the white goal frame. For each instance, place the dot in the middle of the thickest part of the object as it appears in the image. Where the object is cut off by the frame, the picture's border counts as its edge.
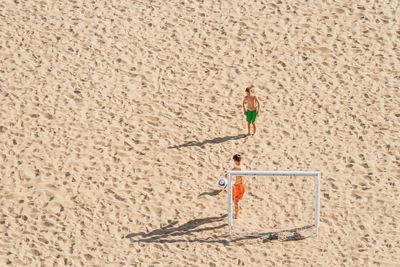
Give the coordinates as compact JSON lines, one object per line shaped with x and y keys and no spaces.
{"x":274,"y":173}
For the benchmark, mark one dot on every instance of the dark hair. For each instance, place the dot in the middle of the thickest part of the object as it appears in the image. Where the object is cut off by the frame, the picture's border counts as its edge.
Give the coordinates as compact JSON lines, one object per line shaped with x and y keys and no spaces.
{"x":237,"y":157}
{"x":249,"y":89}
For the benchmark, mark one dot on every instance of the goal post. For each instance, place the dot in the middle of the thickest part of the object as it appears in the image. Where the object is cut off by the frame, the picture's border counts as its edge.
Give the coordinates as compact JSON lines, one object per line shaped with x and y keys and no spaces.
{"x":317,"y":176}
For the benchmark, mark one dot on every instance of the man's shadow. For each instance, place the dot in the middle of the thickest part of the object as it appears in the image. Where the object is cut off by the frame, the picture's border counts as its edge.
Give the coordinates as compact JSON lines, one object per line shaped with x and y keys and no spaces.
{"x":182,"y":232}
{"x":164,"y":234}
{"x":216,"y":140}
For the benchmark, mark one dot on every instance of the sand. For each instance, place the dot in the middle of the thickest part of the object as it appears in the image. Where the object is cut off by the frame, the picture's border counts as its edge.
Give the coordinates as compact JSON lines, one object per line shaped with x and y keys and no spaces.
{"x":117,"y":118}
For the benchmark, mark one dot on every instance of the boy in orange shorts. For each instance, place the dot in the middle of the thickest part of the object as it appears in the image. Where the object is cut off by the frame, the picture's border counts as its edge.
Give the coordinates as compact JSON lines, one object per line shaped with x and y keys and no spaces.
{"x":239,"y":187}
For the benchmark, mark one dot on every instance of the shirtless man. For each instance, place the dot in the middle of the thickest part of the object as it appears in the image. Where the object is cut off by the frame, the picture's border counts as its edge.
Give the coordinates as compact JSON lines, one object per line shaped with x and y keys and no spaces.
{"x":239,"y":187}
{"x":252,"y":111}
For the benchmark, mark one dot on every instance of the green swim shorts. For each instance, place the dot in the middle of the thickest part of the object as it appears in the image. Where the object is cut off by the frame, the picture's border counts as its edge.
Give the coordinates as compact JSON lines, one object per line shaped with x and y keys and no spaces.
{"x":251,"y":115}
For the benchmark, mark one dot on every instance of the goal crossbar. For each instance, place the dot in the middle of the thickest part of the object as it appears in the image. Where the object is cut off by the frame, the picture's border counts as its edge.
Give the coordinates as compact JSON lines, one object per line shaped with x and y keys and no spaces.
{"x":274,"y":173}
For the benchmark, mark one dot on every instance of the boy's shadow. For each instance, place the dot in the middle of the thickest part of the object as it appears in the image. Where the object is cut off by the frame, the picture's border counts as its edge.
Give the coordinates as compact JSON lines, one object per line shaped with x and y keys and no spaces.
{"x":216,"y":140}
{"x":164,"y":234}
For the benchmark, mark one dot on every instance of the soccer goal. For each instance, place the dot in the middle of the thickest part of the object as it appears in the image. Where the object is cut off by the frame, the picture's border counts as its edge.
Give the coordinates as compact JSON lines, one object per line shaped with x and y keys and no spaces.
{"x":281,"y":201}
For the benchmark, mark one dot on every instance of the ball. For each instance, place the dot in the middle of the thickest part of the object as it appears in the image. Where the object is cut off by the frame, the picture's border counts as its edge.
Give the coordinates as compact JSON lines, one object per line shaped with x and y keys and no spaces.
{"x":222,"y":183}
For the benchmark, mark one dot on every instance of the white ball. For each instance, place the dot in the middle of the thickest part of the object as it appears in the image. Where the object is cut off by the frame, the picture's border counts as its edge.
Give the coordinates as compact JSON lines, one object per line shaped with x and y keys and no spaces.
{"x":222,"y":183}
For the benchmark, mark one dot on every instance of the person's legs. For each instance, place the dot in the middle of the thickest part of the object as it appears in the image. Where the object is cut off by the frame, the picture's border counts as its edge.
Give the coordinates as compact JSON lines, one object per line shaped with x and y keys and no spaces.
{"x":253,"y":120}
{"x":236,"y":208}
{"x":248,"y":119}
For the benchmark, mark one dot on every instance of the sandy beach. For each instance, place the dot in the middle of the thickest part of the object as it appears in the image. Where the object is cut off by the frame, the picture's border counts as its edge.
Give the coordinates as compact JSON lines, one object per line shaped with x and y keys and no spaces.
{"x":117,"y":118}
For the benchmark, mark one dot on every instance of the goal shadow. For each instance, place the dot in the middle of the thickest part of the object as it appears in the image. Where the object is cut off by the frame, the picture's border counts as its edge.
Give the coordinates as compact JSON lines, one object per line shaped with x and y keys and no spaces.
{"x":189,"y":232}
{"x":293,"y":234}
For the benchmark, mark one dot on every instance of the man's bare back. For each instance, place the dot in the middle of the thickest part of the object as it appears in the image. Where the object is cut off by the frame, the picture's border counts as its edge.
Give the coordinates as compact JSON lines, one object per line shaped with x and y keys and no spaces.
{"x":239,"y":179}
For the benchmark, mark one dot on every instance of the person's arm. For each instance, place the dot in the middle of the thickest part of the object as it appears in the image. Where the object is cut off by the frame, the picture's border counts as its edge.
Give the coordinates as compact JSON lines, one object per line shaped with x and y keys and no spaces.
{"x":259,"y":106}
{"x":226,"y":175}
{"x":244,"y":107}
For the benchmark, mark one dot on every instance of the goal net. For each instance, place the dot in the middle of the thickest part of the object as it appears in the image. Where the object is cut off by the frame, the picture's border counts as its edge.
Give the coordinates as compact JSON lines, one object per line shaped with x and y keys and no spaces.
{"x":282,"y":205}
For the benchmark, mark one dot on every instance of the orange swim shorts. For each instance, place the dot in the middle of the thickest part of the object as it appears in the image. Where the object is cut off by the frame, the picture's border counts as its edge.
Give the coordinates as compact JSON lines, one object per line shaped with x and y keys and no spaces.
{"x":238,"y":191}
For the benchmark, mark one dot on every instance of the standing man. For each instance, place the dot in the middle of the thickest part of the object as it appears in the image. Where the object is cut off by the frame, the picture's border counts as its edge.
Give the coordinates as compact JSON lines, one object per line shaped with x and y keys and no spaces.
{"x":252,"y":111}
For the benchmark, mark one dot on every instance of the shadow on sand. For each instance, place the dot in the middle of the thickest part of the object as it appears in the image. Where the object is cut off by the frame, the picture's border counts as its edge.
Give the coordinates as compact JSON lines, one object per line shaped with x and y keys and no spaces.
{"x":211,"y":193}
{"x":164,"y":234}
{"x":216,"y":140}
{"x":185,"y":233}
